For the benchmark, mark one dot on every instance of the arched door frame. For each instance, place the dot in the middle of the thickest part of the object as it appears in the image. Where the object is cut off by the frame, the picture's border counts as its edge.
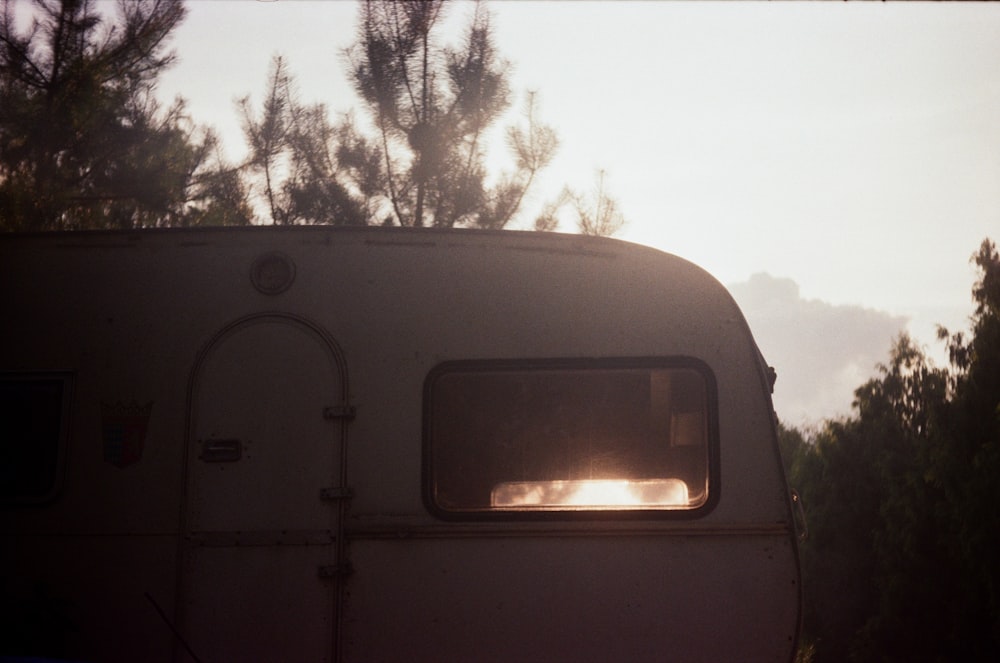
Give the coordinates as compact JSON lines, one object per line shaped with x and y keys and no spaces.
{"x":341,"y":410}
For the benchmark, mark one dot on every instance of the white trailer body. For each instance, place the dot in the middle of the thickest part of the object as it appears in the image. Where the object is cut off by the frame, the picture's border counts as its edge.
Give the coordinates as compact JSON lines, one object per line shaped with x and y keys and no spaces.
{"x":330,"y":444}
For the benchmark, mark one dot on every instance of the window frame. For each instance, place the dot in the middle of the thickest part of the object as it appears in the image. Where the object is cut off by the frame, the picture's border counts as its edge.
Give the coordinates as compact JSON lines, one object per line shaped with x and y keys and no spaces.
{"x":569,"y":364}
{"x":67,"y":379}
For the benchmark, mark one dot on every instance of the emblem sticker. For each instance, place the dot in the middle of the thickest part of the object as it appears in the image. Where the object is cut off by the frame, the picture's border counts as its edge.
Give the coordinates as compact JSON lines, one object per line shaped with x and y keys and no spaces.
{"x":123,"y":429}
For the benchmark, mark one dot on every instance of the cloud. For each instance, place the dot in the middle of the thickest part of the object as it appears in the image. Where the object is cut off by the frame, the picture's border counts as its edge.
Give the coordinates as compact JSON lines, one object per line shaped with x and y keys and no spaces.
{"x":822,"y":352}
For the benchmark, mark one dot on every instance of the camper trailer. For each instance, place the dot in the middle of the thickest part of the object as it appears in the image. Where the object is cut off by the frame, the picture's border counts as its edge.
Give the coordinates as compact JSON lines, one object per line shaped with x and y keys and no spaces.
{"x":371,"y":444}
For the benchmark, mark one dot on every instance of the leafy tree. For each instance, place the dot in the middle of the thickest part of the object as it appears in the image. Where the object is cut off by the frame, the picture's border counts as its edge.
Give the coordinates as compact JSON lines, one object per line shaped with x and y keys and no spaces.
{"x":870,"y":536}
{"x":901,"y":563}
{"x":838,"y":483}
{"x":966,"y":466}
{"x":898,"y":414}
{"x":937,"y":546}
{"x":83,"y":142}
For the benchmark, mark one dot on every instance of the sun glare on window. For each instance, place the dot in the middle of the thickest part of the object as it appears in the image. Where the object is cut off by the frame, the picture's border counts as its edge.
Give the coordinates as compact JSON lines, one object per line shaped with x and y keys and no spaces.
{"x":591,"y":493}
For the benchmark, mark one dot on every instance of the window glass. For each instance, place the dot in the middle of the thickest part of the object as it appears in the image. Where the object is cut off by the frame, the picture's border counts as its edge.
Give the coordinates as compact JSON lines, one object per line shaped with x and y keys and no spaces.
{"x":568,"y":437}
{"x":33,"y":413}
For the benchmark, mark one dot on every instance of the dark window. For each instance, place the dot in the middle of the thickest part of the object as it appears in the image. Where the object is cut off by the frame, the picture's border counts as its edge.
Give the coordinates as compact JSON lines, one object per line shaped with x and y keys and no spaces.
{"x":569,"y":436}
{"x":33,"y":424}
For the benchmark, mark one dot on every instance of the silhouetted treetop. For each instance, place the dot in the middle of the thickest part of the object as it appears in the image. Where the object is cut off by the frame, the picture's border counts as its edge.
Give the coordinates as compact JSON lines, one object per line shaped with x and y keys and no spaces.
{"x":83,"y":141}
{"x":431,"y":106}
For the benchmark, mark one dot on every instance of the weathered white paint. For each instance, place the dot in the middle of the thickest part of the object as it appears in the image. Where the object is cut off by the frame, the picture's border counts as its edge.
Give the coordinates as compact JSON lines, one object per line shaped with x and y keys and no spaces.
{"x":246,"y":558}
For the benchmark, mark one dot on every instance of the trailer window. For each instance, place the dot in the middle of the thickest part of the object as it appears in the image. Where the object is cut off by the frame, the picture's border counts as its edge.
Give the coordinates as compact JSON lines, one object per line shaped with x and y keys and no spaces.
{"x":33,"y":425}
{"x":569,"y":437}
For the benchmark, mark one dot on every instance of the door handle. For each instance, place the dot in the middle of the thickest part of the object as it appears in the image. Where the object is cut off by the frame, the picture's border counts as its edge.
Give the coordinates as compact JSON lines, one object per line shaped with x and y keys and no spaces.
{"x":220,"y":451}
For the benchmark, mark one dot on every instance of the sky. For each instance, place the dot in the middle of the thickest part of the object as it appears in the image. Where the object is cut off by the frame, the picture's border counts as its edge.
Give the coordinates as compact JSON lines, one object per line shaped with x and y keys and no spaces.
{"x":834,"y":164}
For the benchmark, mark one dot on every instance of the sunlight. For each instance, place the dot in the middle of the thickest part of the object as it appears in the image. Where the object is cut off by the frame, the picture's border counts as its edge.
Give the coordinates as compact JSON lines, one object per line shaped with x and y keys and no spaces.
{"x":591,"y":493}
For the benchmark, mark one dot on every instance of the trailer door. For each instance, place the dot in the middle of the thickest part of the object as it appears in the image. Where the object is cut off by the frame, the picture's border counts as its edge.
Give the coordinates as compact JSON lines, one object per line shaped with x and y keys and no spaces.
{"x":264,"y":494}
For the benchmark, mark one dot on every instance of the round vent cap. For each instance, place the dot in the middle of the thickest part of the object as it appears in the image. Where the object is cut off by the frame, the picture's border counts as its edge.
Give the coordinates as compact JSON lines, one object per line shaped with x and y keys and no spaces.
{"x":272,"y":273}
